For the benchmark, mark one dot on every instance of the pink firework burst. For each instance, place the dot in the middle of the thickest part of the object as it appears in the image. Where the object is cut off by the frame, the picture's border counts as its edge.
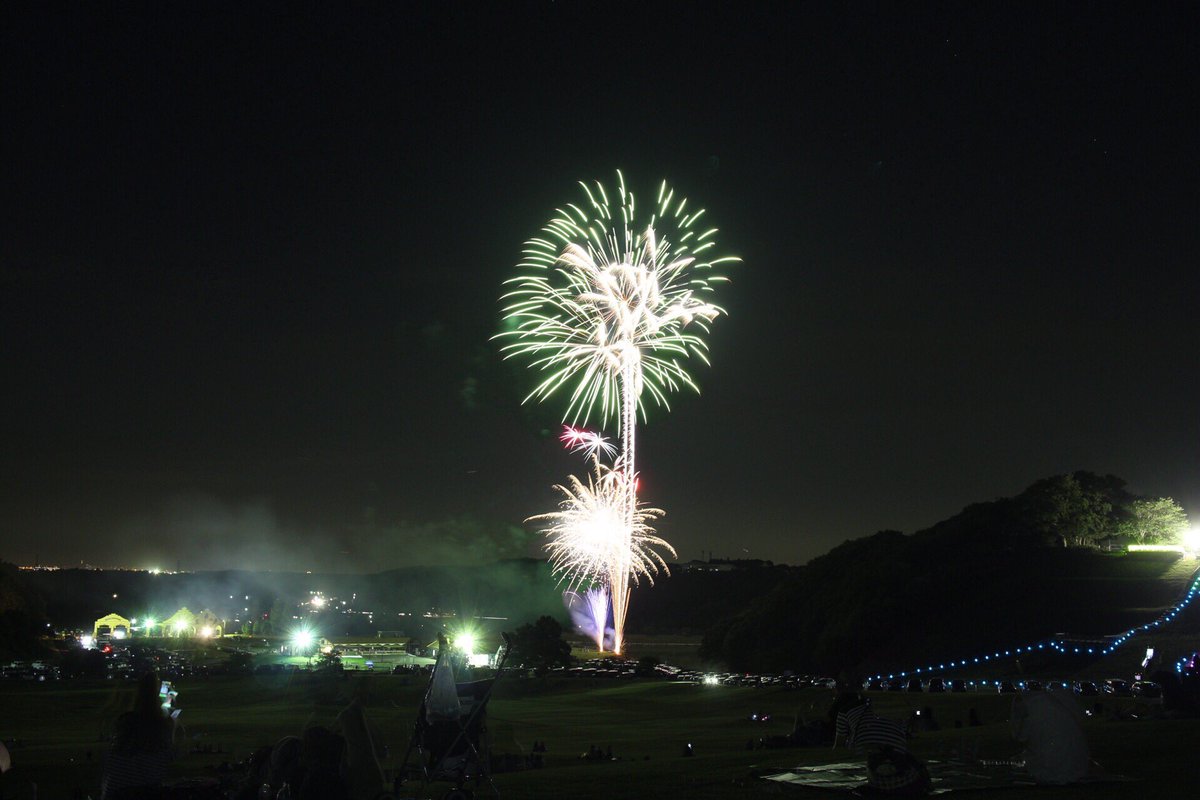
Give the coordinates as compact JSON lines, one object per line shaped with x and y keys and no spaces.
{"x":591,"y":443}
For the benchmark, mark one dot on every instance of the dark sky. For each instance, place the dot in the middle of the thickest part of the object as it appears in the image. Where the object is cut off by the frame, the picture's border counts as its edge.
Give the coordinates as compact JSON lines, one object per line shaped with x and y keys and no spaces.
{"x":251,"y":261}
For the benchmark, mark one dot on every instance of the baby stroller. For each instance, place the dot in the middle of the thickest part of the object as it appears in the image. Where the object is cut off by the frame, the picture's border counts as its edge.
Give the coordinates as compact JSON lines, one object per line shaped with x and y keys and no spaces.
{"x":449,"y":740}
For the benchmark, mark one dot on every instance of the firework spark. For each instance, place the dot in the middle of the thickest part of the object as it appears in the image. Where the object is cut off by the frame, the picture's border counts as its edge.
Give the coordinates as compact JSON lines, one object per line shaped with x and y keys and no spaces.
{"x":590,"y":540}
{"x":590,"y":443}
{"x":605,"y":292}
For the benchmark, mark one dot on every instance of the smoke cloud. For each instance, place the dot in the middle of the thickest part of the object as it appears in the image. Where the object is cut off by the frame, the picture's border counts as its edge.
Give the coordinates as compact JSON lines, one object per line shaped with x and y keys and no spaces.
{"x":199,"y":531}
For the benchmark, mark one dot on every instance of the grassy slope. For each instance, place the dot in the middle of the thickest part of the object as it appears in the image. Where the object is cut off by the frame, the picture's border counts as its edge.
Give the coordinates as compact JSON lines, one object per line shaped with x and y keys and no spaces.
{"x":645,"y":723}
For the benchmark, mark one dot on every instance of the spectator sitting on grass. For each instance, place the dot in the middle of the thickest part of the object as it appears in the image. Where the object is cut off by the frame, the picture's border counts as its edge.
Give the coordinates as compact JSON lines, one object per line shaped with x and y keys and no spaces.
{"x":321,"y":764}
{"x":143,"y":746}
{"x":1051,"y":727}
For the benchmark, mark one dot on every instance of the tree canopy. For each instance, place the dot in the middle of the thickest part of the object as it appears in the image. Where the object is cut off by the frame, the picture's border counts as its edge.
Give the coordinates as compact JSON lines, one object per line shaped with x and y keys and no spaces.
{"x":540,"y":645}
{"x":1157,"y":521}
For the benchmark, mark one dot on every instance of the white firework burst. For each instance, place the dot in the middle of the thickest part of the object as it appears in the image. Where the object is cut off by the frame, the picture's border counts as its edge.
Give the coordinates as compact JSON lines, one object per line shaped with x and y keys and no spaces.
{"x":590,"y":540}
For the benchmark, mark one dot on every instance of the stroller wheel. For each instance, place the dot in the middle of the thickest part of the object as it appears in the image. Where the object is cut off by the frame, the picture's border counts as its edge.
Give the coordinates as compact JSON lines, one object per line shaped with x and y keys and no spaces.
{"x":458,"y":794}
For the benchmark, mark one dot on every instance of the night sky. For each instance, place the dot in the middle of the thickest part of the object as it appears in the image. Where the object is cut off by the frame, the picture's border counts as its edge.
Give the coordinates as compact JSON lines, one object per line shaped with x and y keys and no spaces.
{"x":251,"y":262}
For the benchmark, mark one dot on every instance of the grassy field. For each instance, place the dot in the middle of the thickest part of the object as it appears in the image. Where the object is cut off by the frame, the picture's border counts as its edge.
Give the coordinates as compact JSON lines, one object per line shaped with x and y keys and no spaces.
{"x":62,"y":728}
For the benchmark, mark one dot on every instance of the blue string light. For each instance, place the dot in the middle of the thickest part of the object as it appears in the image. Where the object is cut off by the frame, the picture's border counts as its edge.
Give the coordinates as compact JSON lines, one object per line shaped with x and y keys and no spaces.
{"x":1061,"y":647}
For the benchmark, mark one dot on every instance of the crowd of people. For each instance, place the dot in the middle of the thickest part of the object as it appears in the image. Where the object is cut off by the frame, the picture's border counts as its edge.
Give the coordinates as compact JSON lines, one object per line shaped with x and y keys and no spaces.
{"x":318,"y":764}
{"x":344,"y":761}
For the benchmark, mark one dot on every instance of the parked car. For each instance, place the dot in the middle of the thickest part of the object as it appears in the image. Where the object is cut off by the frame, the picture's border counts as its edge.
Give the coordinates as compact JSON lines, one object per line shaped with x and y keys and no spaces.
{"x":1086,"y":689}
{"x":958,"y":685}
{"x":1147,"y":689}
{"x":913,"y":685}
{"x":1005,"y":687}
{"x":935,"y":685}
{"x":1117,"y":687}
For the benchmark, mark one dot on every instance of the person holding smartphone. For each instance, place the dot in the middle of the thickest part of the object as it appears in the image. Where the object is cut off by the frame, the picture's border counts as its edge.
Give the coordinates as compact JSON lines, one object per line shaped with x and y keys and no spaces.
{"x":144,"y":744}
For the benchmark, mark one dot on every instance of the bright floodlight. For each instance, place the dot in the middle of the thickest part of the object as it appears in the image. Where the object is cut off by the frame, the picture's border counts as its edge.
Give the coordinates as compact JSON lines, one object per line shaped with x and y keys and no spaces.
{"x":302,"y":640}
{"x":86,"y":640}
{"x":150,"y":623}
{"x":1191,"y":539}
{"x":118,"y":634}
{"x":180,"y":625}
{"x":465,"y":642}
{"x":317,"y":601}
{"x":206,"y":632}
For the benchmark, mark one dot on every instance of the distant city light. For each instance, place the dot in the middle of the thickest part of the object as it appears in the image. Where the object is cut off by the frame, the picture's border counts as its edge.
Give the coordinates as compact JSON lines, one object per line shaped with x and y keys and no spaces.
{"x":317,"y":601}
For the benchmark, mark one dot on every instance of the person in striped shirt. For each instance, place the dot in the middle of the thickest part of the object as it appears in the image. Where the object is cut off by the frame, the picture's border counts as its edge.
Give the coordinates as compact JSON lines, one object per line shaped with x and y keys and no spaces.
{"x":864,"y":731}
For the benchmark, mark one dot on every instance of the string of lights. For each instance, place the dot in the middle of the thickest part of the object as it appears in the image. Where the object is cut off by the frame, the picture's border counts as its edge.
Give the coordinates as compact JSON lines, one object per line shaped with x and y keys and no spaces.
{"x":1058,"y":646}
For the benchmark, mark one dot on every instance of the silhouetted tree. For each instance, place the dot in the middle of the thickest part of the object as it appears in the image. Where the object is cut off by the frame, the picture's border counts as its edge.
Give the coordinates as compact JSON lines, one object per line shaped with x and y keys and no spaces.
{"x":1067,"y":509}
{"x":540,"y":645}
{"x":330,"y":662}
{"x":21,"y":616}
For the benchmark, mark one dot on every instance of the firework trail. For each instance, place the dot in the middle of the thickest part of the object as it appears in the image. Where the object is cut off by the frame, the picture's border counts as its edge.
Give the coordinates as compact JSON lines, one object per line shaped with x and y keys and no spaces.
{"x":589,"y":612}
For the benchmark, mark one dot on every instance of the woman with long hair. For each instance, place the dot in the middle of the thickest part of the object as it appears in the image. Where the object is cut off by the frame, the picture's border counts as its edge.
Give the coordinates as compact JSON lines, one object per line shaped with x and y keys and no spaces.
{"x":142,"y":747}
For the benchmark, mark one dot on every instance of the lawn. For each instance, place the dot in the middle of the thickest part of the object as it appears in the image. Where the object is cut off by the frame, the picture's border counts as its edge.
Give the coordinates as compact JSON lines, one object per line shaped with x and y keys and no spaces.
{"x":62,"y":727}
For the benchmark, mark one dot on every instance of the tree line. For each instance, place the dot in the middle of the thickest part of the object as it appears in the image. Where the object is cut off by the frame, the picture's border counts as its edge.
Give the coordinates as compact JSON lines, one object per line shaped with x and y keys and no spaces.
{"x":999,"y":571}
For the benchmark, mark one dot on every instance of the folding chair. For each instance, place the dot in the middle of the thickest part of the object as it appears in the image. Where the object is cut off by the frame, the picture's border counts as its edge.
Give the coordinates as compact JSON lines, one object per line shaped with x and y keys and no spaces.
{"x":452,"y":744}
